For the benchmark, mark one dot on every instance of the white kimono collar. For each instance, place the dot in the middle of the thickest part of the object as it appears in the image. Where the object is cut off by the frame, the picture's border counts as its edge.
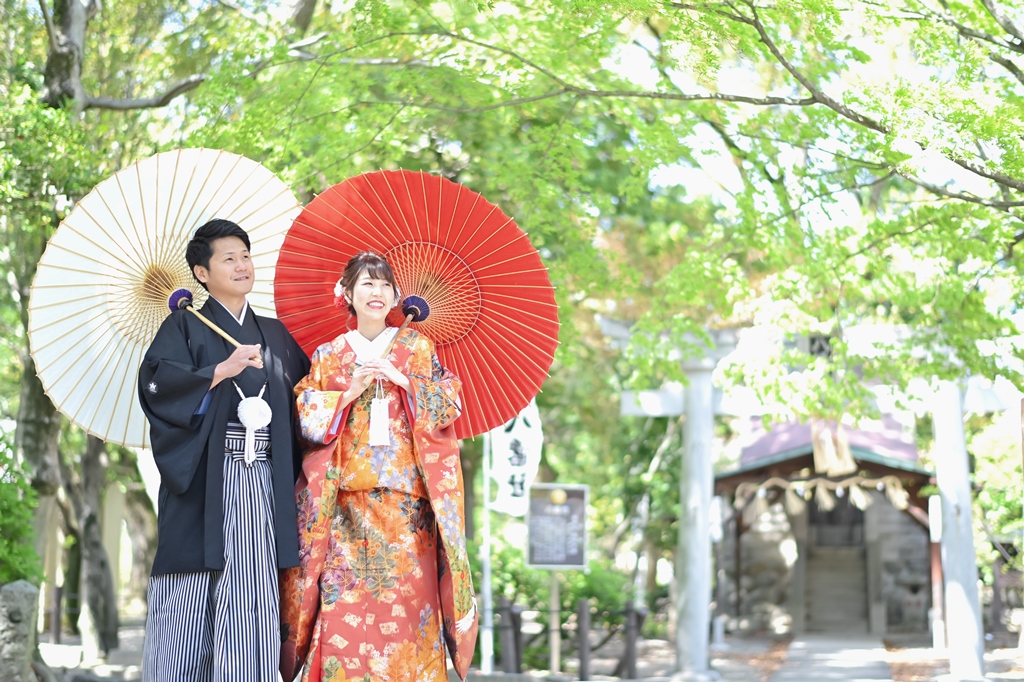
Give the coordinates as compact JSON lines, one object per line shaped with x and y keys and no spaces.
{"x":366,"y":349}
{"x":240,"y":318}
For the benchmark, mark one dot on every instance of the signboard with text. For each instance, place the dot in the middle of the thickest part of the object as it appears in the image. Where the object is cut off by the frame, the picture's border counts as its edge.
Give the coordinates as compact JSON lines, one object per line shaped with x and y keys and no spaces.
{"x":557,"y":526}
{"x":515,"y":457}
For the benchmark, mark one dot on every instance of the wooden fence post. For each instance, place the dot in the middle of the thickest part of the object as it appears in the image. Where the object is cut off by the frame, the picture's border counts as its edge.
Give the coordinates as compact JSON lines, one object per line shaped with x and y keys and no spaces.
{"x":583,"y":631}
{"x":55,"y":614}
{"x":507,"y":636}
{"x":631,"y":637}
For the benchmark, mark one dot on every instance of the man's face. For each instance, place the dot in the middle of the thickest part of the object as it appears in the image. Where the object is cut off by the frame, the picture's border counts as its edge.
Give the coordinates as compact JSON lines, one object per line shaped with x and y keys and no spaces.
{"x":231,"y":273}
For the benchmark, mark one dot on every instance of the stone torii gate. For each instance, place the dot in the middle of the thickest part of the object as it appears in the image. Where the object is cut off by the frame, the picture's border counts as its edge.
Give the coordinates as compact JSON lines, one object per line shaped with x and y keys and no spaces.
{"x":962,"y":610}
{"x":692,"y":575}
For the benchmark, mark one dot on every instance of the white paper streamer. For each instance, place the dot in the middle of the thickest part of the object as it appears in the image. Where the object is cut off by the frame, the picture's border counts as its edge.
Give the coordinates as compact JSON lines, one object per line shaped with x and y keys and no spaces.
{"x":379,"y":418}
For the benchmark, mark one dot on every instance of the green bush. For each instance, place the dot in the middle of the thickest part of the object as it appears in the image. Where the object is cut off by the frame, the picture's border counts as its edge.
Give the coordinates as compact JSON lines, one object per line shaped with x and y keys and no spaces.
{"x":607,"y":588}
{"x":18,"y":559}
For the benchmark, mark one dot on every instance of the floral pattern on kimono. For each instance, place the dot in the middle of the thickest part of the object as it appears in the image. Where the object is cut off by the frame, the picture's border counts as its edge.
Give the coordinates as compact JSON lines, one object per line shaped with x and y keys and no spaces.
{"x":384,"y":581}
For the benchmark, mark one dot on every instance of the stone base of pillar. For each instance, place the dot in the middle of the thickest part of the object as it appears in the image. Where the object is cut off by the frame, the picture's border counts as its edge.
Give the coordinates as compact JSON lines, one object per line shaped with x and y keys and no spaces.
{"x":17,"y":631}
{"x":697,"y":676}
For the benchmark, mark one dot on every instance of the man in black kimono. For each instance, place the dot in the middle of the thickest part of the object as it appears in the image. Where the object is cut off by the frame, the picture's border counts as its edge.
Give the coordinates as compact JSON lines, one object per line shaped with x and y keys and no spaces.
{"x":227,"y":502}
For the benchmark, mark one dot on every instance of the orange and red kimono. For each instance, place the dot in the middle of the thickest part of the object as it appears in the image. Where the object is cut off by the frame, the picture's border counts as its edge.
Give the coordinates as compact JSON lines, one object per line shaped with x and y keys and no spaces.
{"x":383,"y":581}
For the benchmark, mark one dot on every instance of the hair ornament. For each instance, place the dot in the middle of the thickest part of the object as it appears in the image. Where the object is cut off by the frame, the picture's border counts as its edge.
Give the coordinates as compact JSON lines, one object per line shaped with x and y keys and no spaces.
{"x":339,"y":296}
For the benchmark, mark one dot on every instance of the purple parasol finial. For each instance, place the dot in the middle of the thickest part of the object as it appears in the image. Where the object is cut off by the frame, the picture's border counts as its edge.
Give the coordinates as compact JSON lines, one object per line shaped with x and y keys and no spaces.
{"x":417,"y":307}
{"x":180,"y":299}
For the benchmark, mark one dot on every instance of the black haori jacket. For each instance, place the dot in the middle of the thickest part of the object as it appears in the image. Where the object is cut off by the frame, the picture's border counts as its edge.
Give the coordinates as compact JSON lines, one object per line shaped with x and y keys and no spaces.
{"x":174,"y":379}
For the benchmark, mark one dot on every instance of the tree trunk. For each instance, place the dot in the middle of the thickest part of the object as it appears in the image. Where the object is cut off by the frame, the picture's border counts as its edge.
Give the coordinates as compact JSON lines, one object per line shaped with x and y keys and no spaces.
{"x":653,"y":554}
{"x":98,"y":620}
{"x":17,"y":631}
{"x":72,"y":581}
{"x":142,"y":528}
{"x":63,"y":73}
{"x":302,"y":15}
{"x":35,"y":445}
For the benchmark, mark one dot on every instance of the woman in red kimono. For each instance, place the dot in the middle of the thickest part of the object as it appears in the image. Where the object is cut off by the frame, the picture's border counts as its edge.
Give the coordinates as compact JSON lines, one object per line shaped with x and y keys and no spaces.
{"x":383,"y":582}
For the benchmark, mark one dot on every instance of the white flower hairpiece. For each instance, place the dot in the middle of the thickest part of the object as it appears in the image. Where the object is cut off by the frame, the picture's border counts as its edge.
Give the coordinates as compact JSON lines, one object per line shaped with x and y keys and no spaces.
{"x":338,"y":290}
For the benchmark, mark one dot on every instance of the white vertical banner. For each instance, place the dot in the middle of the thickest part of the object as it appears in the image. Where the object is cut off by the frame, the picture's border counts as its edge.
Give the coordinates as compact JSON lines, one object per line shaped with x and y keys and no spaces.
{"x":515,"y":458}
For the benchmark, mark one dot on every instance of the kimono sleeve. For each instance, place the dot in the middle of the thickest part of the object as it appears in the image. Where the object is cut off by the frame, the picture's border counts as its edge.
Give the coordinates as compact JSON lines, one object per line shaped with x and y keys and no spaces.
{"x":318,"y":397}
{"x":171,"y":389}
{"x":434,"y":399}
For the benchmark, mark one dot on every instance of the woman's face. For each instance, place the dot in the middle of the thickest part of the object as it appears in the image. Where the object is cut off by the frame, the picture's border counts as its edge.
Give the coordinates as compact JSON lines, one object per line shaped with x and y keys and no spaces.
{"x":372,"y":298}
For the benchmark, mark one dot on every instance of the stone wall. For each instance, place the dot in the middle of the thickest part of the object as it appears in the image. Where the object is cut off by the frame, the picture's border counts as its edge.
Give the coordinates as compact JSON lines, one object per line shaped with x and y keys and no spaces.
{"x":767,"y":555}
{"x":17,"y":631}
{"x":899,"y":555}
{"x":772,"y":580}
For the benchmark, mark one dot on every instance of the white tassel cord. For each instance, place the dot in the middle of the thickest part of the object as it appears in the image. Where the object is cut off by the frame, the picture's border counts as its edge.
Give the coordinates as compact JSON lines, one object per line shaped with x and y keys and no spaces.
{"x":253,"y":413}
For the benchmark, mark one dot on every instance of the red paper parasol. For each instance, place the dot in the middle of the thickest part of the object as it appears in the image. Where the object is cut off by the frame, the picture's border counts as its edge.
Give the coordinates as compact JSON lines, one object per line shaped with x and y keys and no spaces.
{"x":493,"y":317}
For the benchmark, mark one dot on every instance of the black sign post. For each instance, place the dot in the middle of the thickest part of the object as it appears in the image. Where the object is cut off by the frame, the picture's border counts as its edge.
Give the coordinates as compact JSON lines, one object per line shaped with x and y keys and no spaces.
{"x":557,"y":523}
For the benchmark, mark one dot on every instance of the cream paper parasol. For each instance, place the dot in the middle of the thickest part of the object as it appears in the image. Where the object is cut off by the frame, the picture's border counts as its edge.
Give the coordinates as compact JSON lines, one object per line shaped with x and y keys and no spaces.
{"x":102,"y":287}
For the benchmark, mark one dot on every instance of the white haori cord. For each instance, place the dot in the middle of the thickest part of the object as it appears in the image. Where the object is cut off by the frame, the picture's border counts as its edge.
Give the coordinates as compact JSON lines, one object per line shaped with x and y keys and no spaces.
{"x":253,"y":413}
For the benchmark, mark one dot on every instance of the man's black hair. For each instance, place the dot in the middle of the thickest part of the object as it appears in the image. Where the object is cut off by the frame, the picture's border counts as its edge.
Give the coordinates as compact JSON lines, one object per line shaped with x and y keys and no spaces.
{"x":200,"y":249}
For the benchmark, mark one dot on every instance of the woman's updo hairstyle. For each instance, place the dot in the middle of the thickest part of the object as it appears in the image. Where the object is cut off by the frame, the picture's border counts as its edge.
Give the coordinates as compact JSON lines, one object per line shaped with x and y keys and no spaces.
{"x":375,"y":266}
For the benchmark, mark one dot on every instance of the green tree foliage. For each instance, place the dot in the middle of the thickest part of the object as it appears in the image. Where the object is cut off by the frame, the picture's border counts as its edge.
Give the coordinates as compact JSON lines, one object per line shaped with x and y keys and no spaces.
{"x":999,"y":500}
{"x":529,"y":589}
{"x":813,"y":166}
{"x":18,"y":560}
{"x":870,"y":176}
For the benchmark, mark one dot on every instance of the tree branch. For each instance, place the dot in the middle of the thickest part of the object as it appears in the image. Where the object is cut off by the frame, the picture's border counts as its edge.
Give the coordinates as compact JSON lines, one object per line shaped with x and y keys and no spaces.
{"x":380,"y":61}
{"x":961,"y":196}
{"x":697,"y":97}
{"x":567,"y":87}
{"x":818,"y":96}
{"x":180,"y":88}
{"x":565,"y":117}
{"x":373,"y":139}
{"x":502,"y":50}
{"x":818,"y":93}
{"x":846,"y":188}
{"x":860,"y":119}
{"x":469,"y":110}
{"x":246,"y":14}
{"x":1003,"y":20}
{"x":886,"y":237}
{"x":51,"y":31}
{"x":1008,"y":65}
{"x":999,"y":178}
{"x":967,"y":31}
{"x":584,"y":93}
{"x":716,"y":7}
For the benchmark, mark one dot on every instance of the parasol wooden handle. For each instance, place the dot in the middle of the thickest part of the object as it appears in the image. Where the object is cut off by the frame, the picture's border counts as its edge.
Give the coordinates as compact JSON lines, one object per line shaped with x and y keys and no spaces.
{"x":405,"y":323}
{"x":230,"y":339}
{"x":415,"y":309}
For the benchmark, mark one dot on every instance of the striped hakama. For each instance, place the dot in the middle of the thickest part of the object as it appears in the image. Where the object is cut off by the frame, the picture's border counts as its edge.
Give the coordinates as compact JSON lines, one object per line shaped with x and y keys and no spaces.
{"x":224,"y":626}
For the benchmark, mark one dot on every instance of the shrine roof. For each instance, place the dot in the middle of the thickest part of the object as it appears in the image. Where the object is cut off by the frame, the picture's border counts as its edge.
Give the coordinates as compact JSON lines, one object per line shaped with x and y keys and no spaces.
{"x":883,"y":442}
